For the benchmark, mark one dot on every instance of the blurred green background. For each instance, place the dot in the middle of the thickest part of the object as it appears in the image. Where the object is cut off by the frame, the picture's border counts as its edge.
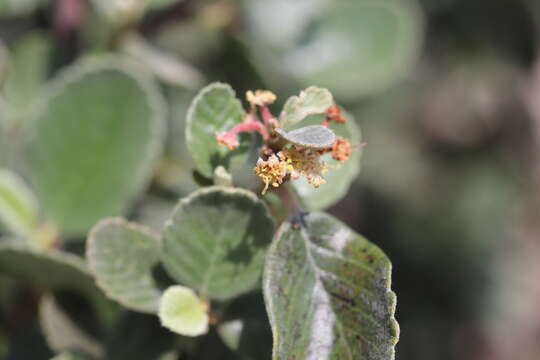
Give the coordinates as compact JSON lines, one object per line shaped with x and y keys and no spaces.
{"x":446,"y":92}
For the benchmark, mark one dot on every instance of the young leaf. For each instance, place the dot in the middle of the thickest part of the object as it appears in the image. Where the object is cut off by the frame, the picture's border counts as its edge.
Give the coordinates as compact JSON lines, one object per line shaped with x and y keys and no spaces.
{"x":51,"y":269}
{"x":63,"y":332}
{"x":18,"y":205}
{"x":340,"y":177}
{"x":327,"y":291}
{"x":95,"y":142}
{"x":311,"y":101}
{"x":122,"y":256}
{"x":181,"y":311}
{"x":216,"y":240}
{"x":312,"y":136}
{"x":214,"y":110}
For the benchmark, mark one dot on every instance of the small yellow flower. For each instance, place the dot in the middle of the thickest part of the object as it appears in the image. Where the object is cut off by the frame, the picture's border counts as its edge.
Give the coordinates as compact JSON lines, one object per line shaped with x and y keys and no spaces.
{"x":271,"y":171}
{"x":341,"y":149}
{"x":260,"y":97}
{"x":307,"y":163}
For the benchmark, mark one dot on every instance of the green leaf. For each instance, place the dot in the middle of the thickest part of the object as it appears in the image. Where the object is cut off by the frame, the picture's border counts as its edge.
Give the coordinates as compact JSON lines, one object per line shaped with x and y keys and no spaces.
{"x":18,"y":205}
{"x":29,"y":69}
{"x":95,"y":142}
{"x":122,"y":256}
{"x":311,"y":101}
{"x":181,"y":311}
{"x":216,"y":240}
{"x":372,"y":44}
{"x":312,"y":136}
{"x":352,"y":47}
{"x":339,"y":177}
{"x":214,"y":110}
{"x":63,"y":332}
{"x":51,"y":269}
{"x":327,"y":291}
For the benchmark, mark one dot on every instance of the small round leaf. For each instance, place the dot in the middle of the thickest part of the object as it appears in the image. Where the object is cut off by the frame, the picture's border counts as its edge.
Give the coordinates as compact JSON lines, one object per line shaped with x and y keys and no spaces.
{"x":215,"y":241}
{"x":181,"y":311}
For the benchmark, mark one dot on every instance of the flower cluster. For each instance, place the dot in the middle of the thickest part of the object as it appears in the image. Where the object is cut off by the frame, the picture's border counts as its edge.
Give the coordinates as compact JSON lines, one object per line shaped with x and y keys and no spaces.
{"x":281,"y":161}
{"x":294,"y":162}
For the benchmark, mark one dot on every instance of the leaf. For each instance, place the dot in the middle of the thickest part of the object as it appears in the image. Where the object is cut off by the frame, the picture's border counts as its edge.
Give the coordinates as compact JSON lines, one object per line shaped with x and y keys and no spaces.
{"x":327,"y":291}
{"x":311,"y":101}
{"x":62,"y":332}
{"x":352,"y":47}
{"x":339,"y":177}
{"x":214,"y":110}
{"x":122,"y":256}
{"x":312,"y":136}
{"x":215,"y":241}
{"x":51,"y":269}
{"x":95,"y":141}
{"x":29,"y":69}
{"x":181,"y":311}
{"x":18,"y":205}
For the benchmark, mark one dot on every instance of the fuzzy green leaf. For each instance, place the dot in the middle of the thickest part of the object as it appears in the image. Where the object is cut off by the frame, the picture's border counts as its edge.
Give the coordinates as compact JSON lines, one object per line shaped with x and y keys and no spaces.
{"x":51,"y":269}
{"x":312,"y":136}
{"x":122,"y":256}
{"x":311,"y":101}
{"x":214,"y":110}
{"x":216,"y":240}
{"x":327,"y":291}
{"x":95,"y":142}
{"x":340,"y":175}
{"x":28,"y":70}
{"x":18,"y":205}
{"x":181,"y":311}
{"x":63,"y":332}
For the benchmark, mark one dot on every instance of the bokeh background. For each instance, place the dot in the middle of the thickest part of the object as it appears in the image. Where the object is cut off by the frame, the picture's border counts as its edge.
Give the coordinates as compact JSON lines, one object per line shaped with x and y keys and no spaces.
{"x":446,"y":92}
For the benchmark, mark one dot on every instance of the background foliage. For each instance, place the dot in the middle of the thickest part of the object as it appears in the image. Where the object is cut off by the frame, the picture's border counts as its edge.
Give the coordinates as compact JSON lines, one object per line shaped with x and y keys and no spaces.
{"x":446,"y":93}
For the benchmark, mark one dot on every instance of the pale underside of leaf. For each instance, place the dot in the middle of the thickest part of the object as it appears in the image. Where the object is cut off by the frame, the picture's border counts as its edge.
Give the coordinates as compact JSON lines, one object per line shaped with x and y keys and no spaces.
{"x":312,"y":136}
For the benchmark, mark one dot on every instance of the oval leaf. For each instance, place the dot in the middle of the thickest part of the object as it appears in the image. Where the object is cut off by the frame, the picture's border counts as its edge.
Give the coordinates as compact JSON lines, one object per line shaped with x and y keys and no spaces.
{"x":313,"y":136}
{"x":311,"y":101}
{"x":18,"y":205}
{"x":95,"y":142}
{"x":181,"y":311}
{"x":327,"y":291}
{"x":214,"y":110}
{"x":51,"y":269}
{"x":122,"y":256}
{"x":340,"y":176}
{"x":216,"y":240}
